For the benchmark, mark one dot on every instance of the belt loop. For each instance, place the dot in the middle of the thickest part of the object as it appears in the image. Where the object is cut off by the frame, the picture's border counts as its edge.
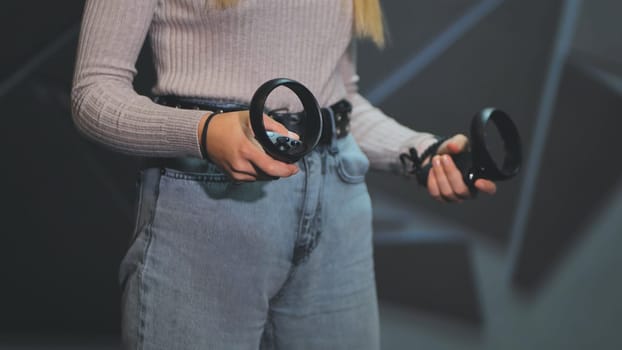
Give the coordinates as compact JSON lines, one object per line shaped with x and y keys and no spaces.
{"x":333,"y":134}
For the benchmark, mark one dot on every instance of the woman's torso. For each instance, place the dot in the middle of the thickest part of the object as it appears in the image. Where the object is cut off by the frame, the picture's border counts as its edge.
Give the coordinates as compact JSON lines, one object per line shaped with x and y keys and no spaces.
{"x":200,"y":50}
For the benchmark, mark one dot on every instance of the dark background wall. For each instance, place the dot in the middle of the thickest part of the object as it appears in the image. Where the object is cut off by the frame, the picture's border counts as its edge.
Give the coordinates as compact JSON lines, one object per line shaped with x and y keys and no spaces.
{"x":536,"y":266}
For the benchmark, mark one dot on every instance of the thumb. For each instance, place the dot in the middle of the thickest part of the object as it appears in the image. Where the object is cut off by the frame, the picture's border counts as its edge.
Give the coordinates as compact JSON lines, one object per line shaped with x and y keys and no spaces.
{"x":456,"y":144}
{"x":272,"y":125}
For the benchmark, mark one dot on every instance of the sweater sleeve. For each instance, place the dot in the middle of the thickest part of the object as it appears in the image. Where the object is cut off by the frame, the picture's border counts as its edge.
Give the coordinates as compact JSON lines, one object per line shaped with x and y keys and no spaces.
{"x":380,"y":137}
{"x":105,"y":106}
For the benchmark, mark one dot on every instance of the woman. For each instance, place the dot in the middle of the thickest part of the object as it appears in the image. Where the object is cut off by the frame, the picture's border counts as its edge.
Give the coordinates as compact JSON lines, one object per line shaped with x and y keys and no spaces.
{"x":221,"y":257}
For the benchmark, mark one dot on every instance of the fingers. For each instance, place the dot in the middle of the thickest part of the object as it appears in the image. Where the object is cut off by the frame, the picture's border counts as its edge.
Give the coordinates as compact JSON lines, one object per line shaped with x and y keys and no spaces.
{"x":273,"y":125}
{"x":454,"y":177}
{"x":455,"y":144}
{"x":433,"y":189}
{"x":263,"y":162}
{"x":256,"y":165}
{"x":442,"y":180}
{"x":445,"y":182}
{"x":237,"y":177}
{"x":486,"y":186}
{"x":241,"y":171}
{"x":269,"y":165}
{"x":259,"y":166}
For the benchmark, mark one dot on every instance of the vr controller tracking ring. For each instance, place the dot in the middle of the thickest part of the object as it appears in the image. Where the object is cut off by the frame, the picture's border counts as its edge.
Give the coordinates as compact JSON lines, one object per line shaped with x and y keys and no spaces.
{"x":484,"y":164}
{"x":313,"y":121}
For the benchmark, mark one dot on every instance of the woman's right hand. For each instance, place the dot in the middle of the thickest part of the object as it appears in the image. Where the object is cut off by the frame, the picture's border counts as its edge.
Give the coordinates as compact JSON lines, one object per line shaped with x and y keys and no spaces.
{"x":231,"y":144}
{"x":445,"y":182}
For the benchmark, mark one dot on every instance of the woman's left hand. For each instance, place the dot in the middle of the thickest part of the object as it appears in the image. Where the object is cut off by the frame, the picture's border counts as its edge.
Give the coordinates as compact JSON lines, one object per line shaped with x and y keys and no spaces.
{"x":445,"y":181}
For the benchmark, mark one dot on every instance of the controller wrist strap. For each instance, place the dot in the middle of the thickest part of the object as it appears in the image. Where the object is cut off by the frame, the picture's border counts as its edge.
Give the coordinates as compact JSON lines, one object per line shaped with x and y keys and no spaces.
{"x":412,"y":163}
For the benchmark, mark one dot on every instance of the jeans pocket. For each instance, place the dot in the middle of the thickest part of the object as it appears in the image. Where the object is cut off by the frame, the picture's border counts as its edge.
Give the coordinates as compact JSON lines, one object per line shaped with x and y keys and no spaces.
{"x":352,"y":163}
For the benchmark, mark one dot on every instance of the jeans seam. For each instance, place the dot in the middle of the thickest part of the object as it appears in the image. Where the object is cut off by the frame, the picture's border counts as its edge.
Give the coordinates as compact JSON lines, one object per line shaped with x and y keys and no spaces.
{"x":138,"y":209}
{"x":288,"y":279}
{"x":314,"y":223}
{"x":271,"y":331}
{"x":318,"y":220}
{"x":143,"y":268}
{"x":302,"y":223}
{"x":274,"y":299}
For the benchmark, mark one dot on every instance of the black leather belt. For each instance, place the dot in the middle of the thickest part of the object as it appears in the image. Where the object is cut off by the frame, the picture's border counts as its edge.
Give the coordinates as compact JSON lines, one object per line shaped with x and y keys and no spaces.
{"x":294,"y":121}
{"x":340,"y":112}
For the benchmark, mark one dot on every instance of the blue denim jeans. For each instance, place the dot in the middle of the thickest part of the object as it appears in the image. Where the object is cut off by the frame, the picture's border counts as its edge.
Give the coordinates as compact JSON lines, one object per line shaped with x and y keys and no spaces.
{"x":284,"y":264}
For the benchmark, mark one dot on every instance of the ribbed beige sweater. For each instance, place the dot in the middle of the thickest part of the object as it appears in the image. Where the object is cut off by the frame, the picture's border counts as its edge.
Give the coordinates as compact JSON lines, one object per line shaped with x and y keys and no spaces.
{"x":203,"y":51}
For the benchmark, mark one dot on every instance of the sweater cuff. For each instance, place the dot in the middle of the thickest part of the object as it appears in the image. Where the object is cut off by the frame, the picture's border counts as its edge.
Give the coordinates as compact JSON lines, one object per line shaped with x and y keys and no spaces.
{"x":181,"y":131}
{"x":420,"y":141}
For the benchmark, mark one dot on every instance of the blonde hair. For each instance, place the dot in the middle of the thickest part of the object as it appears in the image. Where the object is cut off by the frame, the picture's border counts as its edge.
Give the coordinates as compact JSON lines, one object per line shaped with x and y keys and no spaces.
{"x":368,"y":21}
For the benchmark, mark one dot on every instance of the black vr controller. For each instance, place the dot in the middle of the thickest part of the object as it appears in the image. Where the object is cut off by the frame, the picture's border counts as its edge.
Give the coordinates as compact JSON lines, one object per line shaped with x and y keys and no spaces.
{"x":478,"y":163}
{"x":278,"y":146}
